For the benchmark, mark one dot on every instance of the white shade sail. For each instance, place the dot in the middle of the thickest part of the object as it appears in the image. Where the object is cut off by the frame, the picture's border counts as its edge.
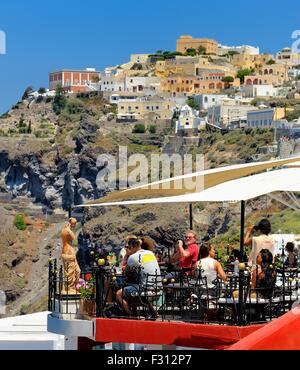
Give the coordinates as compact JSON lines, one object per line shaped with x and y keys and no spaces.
{"x":204,"y":179}
{"x":282,"y":180}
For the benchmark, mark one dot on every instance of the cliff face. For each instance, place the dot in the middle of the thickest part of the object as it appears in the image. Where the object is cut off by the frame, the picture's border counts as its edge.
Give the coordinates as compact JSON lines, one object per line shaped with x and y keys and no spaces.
{"x":49,"y":178}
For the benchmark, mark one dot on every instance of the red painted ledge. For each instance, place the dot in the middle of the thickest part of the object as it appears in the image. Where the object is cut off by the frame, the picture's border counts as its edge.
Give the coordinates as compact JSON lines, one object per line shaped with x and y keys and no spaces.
{"x":171,"y":333}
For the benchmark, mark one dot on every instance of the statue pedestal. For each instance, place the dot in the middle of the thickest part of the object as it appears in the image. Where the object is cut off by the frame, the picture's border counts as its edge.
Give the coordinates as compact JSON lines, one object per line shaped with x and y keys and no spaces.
{"x":66,"y":308}
{"x":87,"y":309}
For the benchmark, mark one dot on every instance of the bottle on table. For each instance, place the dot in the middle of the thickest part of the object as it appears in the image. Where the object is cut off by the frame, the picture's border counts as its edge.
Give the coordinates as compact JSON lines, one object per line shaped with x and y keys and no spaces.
{"x":236,"y":267}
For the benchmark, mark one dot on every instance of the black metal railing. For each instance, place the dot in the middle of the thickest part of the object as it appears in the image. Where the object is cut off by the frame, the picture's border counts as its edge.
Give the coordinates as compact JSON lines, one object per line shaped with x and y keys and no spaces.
{"x":179,"y":297}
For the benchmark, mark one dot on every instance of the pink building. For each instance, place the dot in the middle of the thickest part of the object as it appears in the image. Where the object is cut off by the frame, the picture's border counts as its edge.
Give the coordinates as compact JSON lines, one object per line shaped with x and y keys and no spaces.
{"x":73,"y":80}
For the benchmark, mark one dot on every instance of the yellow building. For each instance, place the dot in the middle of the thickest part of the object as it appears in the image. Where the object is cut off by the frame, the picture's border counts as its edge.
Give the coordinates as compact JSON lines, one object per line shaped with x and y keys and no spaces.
{"x":206,"y":83}
{"x":166,"y":69}
{"x":242,"y":61}
{"x":275,"y":74}
{"x":142,"y":109}
{"x":188,"y":42}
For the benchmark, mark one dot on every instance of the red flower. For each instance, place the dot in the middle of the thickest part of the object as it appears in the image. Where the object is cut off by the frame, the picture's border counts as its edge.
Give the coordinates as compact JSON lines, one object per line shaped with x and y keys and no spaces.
{"x":88,"y":276}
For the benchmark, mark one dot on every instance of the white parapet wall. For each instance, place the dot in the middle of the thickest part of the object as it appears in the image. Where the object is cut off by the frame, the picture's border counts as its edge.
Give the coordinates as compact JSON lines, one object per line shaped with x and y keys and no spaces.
{"x":29,"y":332}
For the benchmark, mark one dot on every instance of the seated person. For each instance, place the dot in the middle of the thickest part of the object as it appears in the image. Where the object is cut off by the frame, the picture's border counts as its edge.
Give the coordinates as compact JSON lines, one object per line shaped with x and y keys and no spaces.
{"x":140,"y":264}
{"x":291,"y":261}
{"x":210,"y":268}
{"x":123,"y":253}
{"x":186,"y":257}
{"x":262,"y":241}
{"x":264,"y":277}
{"x":147,"y":244}
{"x":111,"y":287}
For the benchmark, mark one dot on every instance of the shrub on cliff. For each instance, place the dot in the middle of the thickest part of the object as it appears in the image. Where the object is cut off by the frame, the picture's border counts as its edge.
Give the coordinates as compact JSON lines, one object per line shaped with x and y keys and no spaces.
{"x":19,"y":222}
{"x":139,"y":129}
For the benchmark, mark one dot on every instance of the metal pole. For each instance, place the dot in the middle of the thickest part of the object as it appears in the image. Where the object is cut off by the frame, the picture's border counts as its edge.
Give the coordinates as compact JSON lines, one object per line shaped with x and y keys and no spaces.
{"x":99,"y":291}
{"x":50,"y":286}
{"x":70,"y":212}
{"x":241,"y":273}
{"x":191,"y":217}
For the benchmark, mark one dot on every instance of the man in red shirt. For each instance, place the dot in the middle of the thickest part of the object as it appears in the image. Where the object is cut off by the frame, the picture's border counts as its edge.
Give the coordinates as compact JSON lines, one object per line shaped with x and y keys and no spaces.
{"x":187,"y":257}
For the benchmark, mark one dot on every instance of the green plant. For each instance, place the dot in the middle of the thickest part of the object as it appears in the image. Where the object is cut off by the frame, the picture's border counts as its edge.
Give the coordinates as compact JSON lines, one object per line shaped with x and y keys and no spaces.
{"x":295,"y":114}
{"x":201,"y":50}
{"x":27,"y":92}
{"x":270,"y":62}
{"x":86,"y":287}
{"x":19,"y":222}
{"x":42,"y":90}
{"x":228,"y":79}
{"x":191,"y":52}
{"x":191,"y":103}
{"x":20,"y":282}
{"x":221,"y":148}
{"x":49,"y":99}
{"x":152,"y":129}
{"x":242,"y":73}
{"x":60,"y":100}
{"x":139,"y":129}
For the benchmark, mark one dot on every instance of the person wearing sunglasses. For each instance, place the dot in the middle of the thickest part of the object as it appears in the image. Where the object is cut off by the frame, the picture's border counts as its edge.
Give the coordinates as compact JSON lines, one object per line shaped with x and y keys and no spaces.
{"x":187,"y":252}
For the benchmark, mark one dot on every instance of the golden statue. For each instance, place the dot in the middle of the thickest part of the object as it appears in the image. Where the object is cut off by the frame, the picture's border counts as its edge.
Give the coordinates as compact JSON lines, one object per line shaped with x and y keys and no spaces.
{"x":71,"y":267}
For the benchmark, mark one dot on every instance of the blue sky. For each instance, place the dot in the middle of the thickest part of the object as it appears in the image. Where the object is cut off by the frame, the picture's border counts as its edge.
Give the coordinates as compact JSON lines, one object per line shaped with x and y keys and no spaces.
{"x":46,"y":35}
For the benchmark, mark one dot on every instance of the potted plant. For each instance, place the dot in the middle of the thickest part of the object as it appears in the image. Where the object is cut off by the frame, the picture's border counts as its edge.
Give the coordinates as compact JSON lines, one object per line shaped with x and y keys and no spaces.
{"x":86,"y":288}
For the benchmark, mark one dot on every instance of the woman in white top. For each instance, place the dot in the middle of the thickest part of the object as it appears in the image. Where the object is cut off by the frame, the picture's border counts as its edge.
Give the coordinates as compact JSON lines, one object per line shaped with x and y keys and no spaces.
{"x":260,"y":242}
{"x":210,"y":267}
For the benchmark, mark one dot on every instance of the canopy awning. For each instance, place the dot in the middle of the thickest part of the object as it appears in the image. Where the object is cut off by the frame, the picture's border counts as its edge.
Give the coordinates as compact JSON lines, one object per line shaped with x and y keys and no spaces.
{"x":287,"y":180}
{"x":180,"y":188}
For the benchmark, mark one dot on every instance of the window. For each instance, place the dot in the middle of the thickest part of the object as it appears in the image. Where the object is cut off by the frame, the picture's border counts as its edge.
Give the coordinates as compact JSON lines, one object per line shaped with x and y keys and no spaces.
{"x":122,"y":107}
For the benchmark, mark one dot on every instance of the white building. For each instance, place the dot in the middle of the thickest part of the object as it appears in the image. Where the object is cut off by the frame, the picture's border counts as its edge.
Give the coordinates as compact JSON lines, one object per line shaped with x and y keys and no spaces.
{"x":243,"y":49}
{"x":112,"y":84}
{"x":286,"y":56}
{"x":265,"y":118}
{"x":188,"y":120}
{"x":260,"y":118}
{"x":228,"y":111}
{"x":139,"y":58}
{"x":149,"y":85}
{"x":258,"y":91}
{"x":294,"y":73}
{"x":205,"y":101}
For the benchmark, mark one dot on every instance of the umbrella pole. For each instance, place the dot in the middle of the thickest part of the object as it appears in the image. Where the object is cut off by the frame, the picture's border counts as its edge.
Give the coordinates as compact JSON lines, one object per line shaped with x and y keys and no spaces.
{"x":70,"y":212}
{"x":241,"y":273}
{"x":191,"y":217}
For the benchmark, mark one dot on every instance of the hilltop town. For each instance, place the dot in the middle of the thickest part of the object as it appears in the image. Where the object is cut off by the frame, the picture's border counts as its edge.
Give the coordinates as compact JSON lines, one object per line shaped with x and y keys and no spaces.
{"x":203,"y":84}
{"x":225,"y":86}
{"x":232,"y":104}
